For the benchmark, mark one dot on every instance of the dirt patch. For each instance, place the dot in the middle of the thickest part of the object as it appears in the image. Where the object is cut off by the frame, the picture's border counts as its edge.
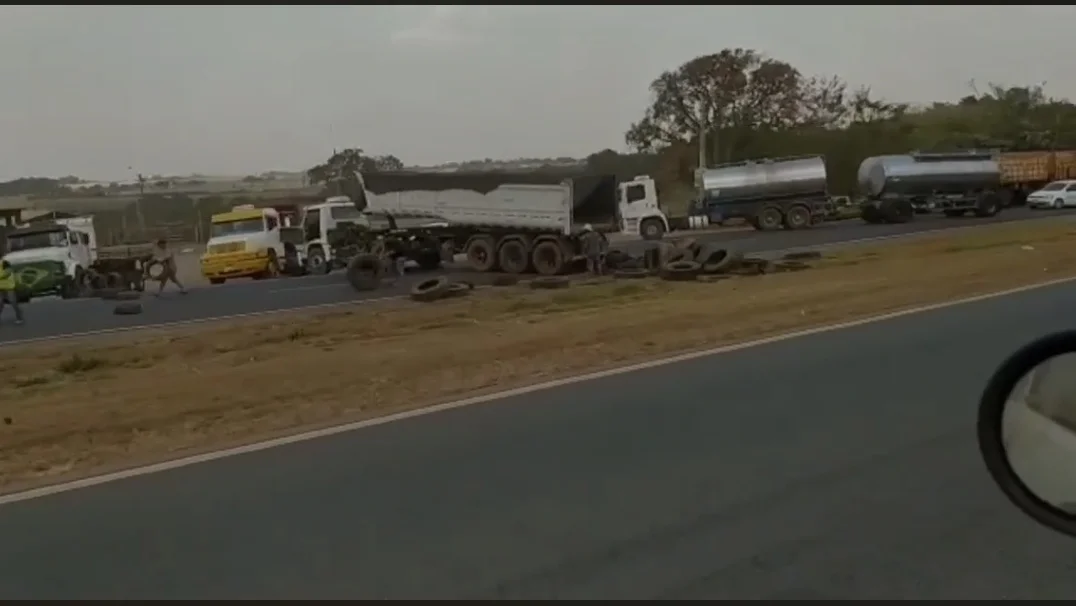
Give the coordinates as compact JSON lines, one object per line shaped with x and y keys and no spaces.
{"x":75,"y":408}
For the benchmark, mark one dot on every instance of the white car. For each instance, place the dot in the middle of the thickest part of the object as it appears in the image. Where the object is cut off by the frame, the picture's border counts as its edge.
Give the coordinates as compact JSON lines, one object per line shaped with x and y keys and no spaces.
{"x":1059,"y":194}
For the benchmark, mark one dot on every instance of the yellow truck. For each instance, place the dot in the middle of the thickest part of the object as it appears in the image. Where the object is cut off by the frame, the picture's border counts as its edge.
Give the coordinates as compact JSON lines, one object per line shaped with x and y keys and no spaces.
{"x":244,"y":242}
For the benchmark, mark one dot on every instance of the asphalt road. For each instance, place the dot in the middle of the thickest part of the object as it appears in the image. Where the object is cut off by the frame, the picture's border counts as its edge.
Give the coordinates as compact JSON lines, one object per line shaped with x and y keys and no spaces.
{"x":53,"y":318}
{"x":837,"y":466}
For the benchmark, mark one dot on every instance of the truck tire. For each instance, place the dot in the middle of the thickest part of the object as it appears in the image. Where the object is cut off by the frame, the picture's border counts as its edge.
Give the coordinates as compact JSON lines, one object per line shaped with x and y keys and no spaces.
{"x":652,"y":229}
{"x":512,"y":257}
{"x":897,"y":211}
{"x":797,"y":216}
{"x":364,"y":272}
{"x":482,"y":254}
{"x":768,"y":219}
{"x":548,"y":258}
{"x":431,"y":290}
{"x":316,"y":262}
{"x":428,"y":259}
{"x":681,"y":270}
{"x":988,"y":204}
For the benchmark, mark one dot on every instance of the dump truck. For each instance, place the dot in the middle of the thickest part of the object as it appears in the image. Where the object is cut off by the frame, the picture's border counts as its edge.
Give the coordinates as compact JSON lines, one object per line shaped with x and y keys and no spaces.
{"x":770,"y":193}
{"x":898,"y":187}
{"x":514,"y":222}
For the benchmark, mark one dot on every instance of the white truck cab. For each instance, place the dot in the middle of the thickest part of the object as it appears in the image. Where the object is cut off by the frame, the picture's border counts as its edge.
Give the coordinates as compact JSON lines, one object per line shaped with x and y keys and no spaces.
{"x":637,"y":202}
{"x":317,"y":220}
{"x":52,"y":258}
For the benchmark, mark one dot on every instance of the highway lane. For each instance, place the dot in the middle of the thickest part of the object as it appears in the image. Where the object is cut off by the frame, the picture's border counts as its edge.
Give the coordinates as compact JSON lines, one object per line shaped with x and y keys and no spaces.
{"x":840,"y":465}
{"x":51,"y":318}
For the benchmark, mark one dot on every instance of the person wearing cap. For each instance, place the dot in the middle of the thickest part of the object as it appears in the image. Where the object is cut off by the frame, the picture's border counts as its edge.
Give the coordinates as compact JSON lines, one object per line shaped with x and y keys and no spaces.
{"x":167,"y":260}
{"x":592,"y":244}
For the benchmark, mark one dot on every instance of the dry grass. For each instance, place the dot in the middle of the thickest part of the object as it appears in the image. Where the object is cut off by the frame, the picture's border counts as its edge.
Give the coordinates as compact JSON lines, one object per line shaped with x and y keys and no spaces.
{"x":76,"y":408}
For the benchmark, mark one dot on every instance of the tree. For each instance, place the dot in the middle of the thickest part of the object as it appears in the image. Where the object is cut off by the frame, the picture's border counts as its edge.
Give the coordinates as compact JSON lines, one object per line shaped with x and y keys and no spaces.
{"x":340,"y":173}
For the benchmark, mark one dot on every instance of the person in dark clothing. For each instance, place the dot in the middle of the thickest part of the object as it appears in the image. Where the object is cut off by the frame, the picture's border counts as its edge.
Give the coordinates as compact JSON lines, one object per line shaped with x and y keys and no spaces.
{"x":593,"y":245}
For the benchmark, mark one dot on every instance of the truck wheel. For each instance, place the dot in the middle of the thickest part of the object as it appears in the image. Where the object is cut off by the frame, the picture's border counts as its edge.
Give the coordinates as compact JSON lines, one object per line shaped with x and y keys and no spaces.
{"x":897,"y":211}
{"x":798,"y":217}
{"x":481,"y":254}
{"x":548,"y":258}
{"x":315,"y":261}
{"x":513,"y":257}
{"x":988,"y":205}
{"x":768,"y":218}
{"x":652,"y":229}
{"x":73,"y":287}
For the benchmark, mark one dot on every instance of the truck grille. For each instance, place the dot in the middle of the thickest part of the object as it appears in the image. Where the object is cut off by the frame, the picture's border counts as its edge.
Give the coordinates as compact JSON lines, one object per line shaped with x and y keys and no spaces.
{"x":229,"y":247}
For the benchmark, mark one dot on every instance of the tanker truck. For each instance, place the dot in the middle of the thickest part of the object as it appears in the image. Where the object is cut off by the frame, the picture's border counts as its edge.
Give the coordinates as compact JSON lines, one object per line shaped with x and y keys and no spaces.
{"x":517,"y":222}
{"x":896,"y":187}
{"x":768,"y":193}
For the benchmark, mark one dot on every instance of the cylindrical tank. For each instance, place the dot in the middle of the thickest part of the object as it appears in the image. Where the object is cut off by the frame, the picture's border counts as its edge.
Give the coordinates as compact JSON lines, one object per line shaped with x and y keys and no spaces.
{"x":914,"y":178}
{"x":766,"y":179}
{"x":863,"y":176}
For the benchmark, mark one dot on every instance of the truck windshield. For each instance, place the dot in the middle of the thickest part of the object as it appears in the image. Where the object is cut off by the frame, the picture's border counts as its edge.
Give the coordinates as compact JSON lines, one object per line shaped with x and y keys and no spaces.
{"x":1055,"y":186}
{"x":47,"y":239}
{"x":232,"y":228}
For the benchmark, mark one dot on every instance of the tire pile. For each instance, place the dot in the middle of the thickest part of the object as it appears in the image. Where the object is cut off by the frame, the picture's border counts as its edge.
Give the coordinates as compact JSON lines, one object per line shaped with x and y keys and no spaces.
{"x":691,"y":261}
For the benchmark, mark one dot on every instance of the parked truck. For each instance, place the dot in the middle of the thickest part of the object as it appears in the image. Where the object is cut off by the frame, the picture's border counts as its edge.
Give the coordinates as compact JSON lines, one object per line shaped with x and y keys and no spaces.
{"x":769,"y":193}
{"x":514,"y":222}
{"x":897,"y":187}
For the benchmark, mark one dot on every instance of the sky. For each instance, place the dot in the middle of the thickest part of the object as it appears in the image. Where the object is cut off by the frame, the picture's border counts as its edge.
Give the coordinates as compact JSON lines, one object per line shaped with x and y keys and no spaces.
{"x":105,"y":92}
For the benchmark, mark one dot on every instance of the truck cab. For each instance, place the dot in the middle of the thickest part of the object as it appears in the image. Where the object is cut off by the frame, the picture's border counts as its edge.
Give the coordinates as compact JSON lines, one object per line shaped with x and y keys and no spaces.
{"x":637,"y":204}
{"x":317,"y":220}
{"x":49,"y":259}
{"x":244,"y":242}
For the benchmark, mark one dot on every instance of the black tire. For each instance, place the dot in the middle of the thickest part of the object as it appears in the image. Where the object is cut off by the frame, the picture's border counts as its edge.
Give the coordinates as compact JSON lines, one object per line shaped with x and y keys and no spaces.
{"x":549,"y":282}
{"x":364,"y":272}
{"x":652,"y":229}
{"x":631,"y":273}
{"x":481,"y":254}
{"x":505,"y":280}
{"x":681,"y":270}
{"x":716,"y":259}
{"x":548,"y":258}
{"x":316,"y":262}
{"x":431,"y":290}
{"x":130,"y":308}
{"x":769,"y":219}
{"x":802,"y":255}
{"x":797,"y":216}
{"x":988,"y":204}
{"x":512,"y":257}
{"x":897,"y":211}
{"x":429,"y":259}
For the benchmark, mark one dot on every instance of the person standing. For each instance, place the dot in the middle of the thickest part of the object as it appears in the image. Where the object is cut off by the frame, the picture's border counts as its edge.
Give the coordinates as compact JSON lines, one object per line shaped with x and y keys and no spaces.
{"x":8,"y":285}
{"x":166,"y":258}
{"x":593,"y":246}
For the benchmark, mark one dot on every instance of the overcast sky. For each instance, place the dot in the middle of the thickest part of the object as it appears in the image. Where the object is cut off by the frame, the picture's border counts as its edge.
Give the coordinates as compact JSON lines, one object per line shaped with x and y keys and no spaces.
{"x":93,"y":90}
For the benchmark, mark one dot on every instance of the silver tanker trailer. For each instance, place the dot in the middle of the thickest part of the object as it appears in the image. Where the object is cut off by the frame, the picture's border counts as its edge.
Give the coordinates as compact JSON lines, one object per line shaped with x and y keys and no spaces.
{"x":769,"y":193}
{"x":896,"y":187}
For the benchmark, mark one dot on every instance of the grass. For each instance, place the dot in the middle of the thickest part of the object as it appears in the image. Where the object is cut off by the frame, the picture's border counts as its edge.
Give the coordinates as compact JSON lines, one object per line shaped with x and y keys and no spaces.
{"x":79,"y":407}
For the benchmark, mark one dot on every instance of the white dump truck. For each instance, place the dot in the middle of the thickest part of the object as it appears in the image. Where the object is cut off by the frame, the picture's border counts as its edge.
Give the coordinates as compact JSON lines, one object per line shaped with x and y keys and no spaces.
{"x":517,"y":222}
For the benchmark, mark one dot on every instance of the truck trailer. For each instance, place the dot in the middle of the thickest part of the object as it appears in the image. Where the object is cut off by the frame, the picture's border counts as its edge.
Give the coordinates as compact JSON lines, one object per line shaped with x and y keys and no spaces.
{"x":516,"y":222}
{"x":769,"y":193}
{"x":897,"y":187}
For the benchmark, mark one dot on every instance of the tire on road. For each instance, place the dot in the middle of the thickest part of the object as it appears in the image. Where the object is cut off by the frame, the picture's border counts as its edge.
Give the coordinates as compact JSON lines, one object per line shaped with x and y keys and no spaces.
{"x":364,"y":272}
{"x":431,"y":290}
{"x":130,"y":308}
{"x":715,"y":259}
{"x":681,"y":270}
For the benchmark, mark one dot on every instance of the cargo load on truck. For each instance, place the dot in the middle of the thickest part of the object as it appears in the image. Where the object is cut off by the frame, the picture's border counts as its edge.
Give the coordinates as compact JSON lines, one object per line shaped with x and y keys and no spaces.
{"x":897,"y":187}
{"x":769,"y":193}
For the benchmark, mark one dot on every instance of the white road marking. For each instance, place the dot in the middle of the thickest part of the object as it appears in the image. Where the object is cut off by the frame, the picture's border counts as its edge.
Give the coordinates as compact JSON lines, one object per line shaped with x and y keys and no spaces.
{"x":546,"y":385}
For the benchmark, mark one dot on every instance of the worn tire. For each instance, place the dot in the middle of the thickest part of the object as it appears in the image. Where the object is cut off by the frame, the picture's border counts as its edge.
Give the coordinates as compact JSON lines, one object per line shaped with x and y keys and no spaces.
{"x":802,"y":255}
{"x":481,"y":253}
{"x":715,"y":259}
{"x":631,"y":273}
{"x":513,"y":257}
{"x":364,"y":272}
{"x":548,"y":258}
{"x":431,"y":290}
{"x":505,"y":280}
{"x":150,"y":273}
{"x":128,"y":295}
{"x":681,"y":270}
{"x":549,"y":282}
{"x":127,"y":309}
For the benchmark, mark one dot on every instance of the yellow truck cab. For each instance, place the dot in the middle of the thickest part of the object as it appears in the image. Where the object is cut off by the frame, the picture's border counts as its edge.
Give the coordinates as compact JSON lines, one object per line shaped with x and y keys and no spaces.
{"x":244,"y":242}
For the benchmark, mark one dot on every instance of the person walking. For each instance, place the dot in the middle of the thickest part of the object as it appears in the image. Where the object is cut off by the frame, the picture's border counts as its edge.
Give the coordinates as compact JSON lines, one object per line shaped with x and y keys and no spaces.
{"x":8,"y":284}
{"x":593,"y":245}
{"x":167,"y":260}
